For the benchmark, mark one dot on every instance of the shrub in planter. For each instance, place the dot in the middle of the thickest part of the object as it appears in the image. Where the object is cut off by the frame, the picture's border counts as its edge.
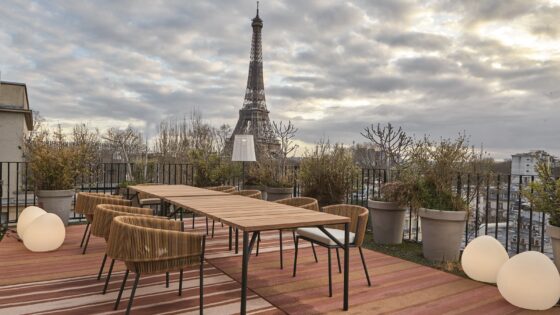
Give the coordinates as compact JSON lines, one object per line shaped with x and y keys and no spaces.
{"x":55,"y":163}
{"x":279,"y":183}
{"x":326,"y":173}
{"x":544,"y":194}
{"x":211,"y":169}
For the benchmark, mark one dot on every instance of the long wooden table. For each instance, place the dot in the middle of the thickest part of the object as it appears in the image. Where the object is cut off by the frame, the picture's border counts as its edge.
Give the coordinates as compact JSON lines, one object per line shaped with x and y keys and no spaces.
{"x":250,"y":216}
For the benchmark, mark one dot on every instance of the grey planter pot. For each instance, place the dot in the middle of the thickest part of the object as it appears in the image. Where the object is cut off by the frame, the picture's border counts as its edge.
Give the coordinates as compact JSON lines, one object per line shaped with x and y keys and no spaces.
{"x":260,"y":188}
{"x":387,"y":222}
{"x":58,"y":202}
{"x":554,"y":233}
{"x":277,"y":193}
{"x":442,"y":232}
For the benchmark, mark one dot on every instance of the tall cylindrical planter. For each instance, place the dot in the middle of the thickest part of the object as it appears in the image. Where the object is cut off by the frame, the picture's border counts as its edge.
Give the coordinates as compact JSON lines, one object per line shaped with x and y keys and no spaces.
{"x":442,"y":233}
{"x":260,"y":188}
{"x":277,"y":193}
{"x":58,"y":202}
{"x":554,"y":233}
{"x":387,"y":221}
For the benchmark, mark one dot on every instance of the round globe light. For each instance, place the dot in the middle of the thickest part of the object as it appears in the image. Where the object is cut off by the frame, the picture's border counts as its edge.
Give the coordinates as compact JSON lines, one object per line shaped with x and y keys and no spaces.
{"x":26,"y":217}
{"x":530,"y":280}
{"x":482,"y":259}
{"x":45,"y":233}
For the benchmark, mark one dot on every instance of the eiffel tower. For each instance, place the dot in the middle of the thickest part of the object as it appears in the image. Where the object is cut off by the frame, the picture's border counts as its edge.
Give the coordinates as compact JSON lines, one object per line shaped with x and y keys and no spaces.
{"x":253,"y":117}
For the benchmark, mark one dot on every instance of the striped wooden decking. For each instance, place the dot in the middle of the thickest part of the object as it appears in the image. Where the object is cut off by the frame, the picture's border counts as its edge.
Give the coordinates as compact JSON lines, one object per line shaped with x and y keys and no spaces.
{"x":63,"y":282}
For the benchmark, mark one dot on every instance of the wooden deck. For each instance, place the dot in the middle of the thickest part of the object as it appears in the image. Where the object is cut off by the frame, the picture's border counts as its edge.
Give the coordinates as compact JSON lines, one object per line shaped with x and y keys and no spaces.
{"x":64,"y":282}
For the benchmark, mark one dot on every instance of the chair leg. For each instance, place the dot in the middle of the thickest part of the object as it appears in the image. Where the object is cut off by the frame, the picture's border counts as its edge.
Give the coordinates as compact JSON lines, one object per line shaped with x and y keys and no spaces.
{"x":84,"y":237}
{"x":121,"y":290}
{"x":201,"y":287}
{"x":180,"y":282}
{"x":213,"y":222}
{"x":330,"y":275}
{"x":102,"y":266}
{"x":236,"y":240}
{"x":87,"y":242}
{"x":167,"y":279}
{"x":314,"y":253}
{"x":338,"y":259}
{"x":281,"y":254}
{"x":365,"y":266}
{"x":136,"y":279}
{"x":193,"y":218}
{"x":294,"y":236}
{"x":258,"y":243}
{"x":295,"y":257}
{"x":108,"y":276}
{"x":230,"y":237}
{"x":207,"y":226}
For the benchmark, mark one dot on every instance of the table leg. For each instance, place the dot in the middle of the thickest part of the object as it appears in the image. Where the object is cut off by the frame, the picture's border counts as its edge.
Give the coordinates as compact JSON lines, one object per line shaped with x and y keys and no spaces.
{"x":230,"y":237}
{"x":346,"y":264}
{"x":236,"y":240}
{"x":246,"y":247}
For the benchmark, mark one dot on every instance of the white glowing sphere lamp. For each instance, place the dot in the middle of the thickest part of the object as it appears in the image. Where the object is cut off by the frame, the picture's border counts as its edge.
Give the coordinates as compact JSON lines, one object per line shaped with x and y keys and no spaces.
{"x":26,"y":217}
{"x":482,"y":259}
{"x":46,"y":233}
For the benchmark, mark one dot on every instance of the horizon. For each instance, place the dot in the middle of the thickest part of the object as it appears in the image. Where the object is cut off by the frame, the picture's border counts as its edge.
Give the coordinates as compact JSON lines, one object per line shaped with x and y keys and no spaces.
{"x":437,"y":68}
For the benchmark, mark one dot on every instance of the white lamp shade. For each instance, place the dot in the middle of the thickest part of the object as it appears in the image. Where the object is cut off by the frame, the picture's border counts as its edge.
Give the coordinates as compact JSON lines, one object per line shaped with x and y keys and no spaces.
{"x":243,"y":148}
{"x":530,"y":280}
{"x":482,"y":259}
{"x":26,"y":217}
{"x":46,"y":233}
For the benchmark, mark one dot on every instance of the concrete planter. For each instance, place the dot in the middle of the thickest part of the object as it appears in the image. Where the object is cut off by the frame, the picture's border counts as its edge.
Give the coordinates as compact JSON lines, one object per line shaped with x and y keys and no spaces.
{"x":58,"y":202}
{"x":260,"y":188}
{"x":442,"y":232}
{"x":387,"y":221}
{"x":277,"y":193}
{"x":554,"y":233}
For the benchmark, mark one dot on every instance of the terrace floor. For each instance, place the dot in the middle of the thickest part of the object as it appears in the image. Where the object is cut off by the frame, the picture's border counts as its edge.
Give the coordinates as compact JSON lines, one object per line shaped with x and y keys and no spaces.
{"x":64,"y":282}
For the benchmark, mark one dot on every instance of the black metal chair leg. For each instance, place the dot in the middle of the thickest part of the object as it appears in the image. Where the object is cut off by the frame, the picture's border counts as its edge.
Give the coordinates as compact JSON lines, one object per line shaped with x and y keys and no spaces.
{"x":207,"y":233}
{"x":338,"y":259}
{"x":295,"y":257}
{"x":121,"y":290}
{"x":180,"y":282}
{"x":258,"y":243}
{"x":294,"y":236}
{"x":108,"y":276}
{"x":314,"y":253}
{"x":87,"y":242}
{"x":201,"y":287}
{"x":365,"y":266}
{"x":213,"y":222}
{"x":281,"y":254}
{"x":84,"y":237}
{"x":230,"y":236}
{"x":136,"y":279}
{"x":102,"y":266}
{"x":193,"y":219}
{"x":236,"y":240}
{"x":330,"y":275}
{"x":167,"y":279}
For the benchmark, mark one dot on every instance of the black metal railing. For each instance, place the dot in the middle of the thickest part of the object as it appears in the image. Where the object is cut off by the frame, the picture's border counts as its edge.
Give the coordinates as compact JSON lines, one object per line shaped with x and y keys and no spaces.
{"x":496,"y":208}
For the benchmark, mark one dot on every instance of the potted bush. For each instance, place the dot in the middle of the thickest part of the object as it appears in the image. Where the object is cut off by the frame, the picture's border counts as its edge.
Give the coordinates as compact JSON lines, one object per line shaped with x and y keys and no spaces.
{"x":253,"y":183}
{"x":442,"y":210}
{"x":544,"y":194}
{"x":55,"y":163}
{"x":326,"y":173}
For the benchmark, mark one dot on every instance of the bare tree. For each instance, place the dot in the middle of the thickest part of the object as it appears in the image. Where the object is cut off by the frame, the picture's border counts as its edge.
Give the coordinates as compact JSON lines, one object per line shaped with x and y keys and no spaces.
{"x":394,"y":143}
{"x":128,"y":142}
{"x":286,"y":134}
{"x":367,"y":155}
{"x":172,"y":142}
{"x":222,"y":135}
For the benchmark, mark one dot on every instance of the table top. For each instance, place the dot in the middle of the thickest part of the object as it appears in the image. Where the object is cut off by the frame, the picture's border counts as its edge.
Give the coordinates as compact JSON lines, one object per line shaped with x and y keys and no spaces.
{"x":249,"y":214}
{"x":163,"y":191}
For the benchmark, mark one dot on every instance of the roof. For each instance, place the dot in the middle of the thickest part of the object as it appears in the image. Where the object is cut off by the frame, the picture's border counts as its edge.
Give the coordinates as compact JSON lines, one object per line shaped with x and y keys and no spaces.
{"x":16,"y":109}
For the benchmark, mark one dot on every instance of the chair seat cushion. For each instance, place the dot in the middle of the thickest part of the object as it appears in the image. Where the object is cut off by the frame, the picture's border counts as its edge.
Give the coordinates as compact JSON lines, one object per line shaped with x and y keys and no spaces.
{"x":150,"y":201}
{"x":318,"y":235}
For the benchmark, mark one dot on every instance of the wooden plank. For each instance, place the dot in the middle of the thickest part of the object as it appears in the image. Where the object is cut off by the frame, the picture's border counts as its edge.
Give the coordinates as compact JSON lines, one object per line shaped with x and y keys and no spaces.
{"x":164,"y":191}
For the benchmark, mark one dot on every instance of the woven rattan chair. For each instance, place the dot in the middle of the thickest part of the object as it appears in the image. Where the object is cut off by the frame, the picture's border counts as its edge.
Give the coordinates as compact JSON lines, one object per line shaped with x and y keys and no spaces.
{"x":226,"y":189}
{"x":152,"y":246}
{"x":358,"y":222}
{"x":248,"y":193}
{"x":101,"y":227}
{"x":145,"y":199}
{"x":300,"y":202}
{"x":86,"y":202}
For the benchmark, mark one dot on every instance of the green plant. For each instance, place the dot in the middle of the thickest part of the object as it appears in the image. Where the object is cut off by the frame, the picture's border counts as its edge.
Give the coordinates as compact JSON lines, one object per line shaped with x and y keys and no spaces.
{"x":55,"y":163}
{"x":326,"y":173}
{"x":269,"y":172}
{"x":544,"y":193}
{"x":211,"y":169}
{"x":431,"y":175}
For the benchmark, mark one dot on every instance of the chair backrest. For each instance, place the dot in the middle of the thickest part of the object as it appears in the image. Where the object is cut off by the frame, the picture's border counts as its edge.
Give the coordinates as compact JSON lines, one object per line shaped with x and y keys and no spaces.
{"x":104,"y":214}
{"x":143,"y":195}
{"x":87,"y":202}
{"x":358,"y":219}
{"x":226,"y":189}
{"x":153,"y":244}
{"x":301,"y":202}
{"x":248,"y":193}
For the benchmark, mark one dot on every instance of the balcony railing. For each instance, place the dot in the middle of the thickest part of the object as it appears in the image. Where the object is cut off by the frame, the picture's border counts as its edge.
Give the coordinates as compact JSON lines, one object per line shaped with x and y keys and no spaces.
{"x":497,"y":209}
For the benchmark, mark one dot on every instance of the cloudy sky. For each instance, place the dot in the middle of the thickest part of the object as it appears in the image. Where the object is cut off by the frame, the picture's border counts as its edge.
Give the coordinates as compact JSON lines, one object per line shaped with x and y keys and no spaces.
{"x":490,"y":68}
